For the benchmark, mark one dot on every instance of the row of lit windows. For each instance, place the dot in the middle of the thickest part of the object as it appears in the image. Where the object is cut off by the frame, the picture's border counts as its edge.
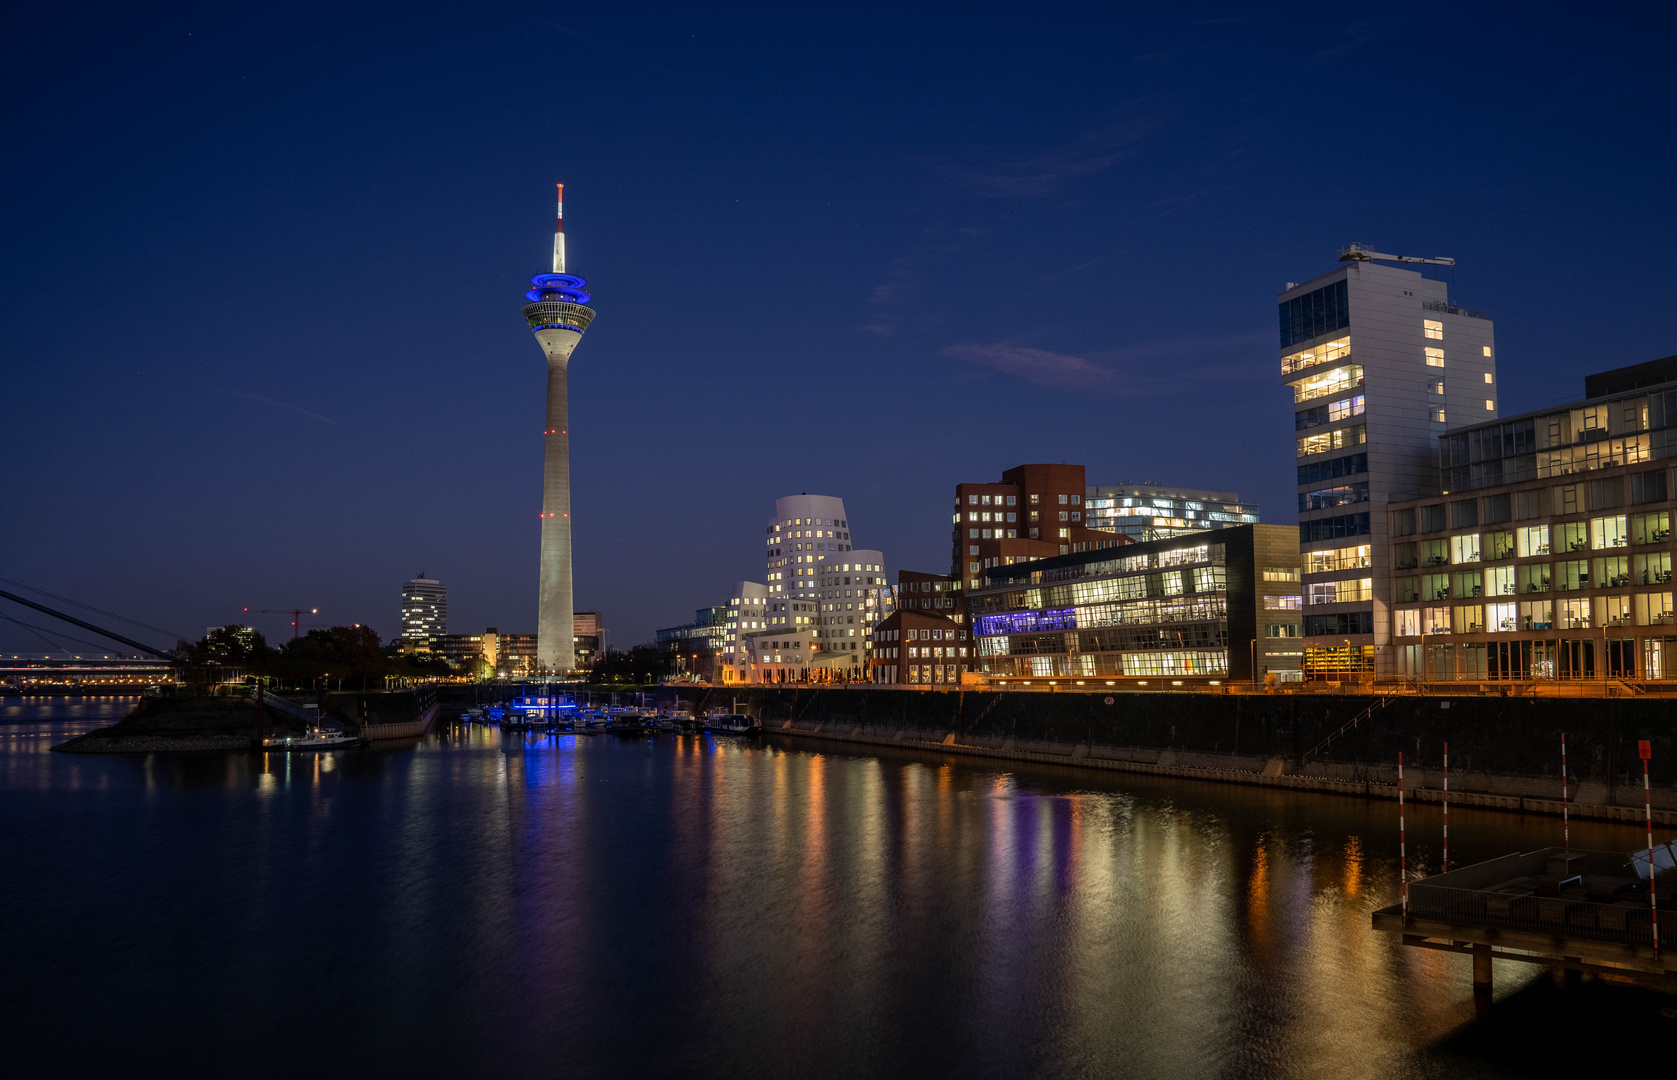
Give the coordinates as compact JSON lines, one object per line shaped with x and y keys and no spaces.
{"x":1583,"y":613}
{"x":1533,"y":541}
{"x":1328,"y":560}
{"x":1610,"y":572}
{"x":1345,"y":591}
{"x":1035,"y":500}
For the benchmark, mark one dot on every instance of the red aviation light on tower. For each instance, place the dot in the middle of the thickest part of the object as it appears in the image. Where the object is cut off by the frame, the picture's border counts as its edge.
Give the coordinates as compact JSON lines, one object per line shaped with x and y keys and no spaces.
{"x":559,"y":235}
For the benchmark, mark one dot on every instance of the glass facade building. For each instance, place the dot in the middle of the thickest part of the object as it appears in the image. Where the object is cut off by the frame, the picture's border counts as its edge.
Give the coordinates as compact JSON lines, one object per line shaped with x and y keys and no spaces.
{"x":1210,"y":606}
{"x":1154,"y":512}
{"x":1544,"y":550}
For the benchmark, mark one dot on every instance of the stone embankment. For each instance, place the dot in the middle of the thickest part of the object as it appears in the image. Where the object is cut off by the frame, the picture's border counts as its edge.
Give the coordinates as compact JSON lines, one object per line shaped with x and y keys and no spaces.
{"x":1270,"y":774}
{"x":1504,"y":751}
{"x":104,"y":741}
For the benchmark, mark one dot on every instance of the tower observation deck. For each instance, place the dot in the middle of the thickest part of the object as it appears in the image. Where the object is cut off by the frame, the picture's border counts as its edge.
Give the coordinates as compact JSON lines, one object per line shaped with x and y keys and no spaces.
{"x":558,"y":314}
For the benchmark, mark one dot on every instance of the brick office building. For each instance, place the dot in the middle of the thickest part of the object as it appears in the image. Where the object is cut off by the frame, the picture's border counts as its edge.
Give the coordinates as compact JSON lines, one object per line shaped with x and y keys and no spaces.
{"x":1034,"y":512}
{"x":939,"y":596}
{"x":921,"y":648}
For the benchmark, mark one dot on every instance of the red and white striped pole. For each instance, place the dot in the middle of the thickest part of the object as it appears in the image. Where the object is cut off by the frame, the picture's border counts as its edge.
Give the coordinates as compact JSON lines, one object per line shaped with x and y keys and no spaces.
{"x":1566,"y":820}
{"x":1645,"y":749}
{"x":1446,"y":806}
{"x":1403,"y":848}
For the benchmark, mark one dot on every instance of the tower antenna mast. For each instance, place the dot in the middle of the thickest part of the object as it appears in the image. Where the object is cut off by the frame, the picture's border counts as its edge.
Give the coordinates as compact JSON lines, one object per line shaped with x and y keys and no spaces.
{"x":559,"y":235}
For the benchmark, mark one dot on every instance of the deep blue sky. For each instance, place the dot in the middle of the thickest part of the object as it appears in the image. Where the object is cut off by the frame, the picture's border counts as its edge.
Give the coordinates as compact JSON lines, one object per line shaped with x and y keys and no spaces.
{"x":262,"y":270}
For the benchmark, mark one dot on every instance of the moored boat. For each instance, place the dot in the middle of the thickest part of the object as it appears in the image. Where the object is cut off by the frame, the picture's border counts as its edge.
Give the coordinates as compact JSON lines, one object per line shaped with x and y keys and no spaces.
{"x":315,"y":739}
{"x":722,"y":722}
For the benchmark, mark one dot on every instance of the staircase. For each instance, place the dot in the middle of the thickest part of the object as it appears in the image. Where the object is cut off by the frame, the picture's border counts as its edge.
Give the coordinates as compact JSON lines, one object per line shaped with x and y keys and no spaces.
{"x":1375,"y":706}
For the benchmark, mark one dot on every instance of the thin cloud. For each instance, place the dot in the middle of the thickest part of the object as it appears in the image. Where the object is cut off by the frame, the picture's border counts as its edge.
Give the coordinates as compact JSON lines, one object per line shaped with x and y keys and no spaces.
{"x":284,"y":405}
{"x":1037,"y":366}
{"x":1150,"y":369}
{"x":1069,"y":271}
{"x":1350,"y":39}
{"x":1112,"y":141}
{"x":905,"y":277}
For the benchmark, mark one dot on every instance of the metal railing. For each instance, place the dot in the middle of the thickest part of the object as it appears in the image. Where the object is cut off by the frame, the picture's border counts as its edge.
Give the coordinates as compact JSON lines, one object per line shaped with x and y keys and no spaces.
{"x":1375,"y":706}
{"x":1627,"y":922}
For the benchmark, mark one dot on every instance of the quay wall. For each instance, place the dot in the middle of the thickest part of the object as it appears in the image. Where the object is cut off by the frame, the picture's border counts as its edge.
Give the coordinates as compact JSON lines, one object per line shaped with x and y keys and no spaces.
{"x":1504,"y":751}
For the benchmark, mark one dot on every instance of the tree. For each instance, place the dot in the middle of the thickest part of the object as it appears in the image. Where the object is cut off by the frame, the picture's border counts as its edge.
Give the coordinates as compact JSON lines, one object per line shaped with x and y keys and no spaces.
{"x":341,"y":652}
{"x":220,"y":653}
{"x":641,"y":664}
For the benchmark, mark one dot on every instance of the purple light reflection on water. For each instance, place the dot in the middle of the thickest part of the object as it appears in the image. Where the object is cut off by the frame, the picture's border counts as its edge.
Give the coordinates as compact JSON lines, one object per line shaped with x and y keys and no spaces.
{"x":494,"y":905}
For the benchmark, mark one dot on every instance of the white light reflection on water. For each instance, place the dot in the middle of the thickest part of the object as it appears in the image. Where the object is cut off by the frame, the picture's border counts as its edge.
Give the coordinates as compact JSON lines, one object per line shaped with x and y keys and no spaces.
{"x":681,"y":905}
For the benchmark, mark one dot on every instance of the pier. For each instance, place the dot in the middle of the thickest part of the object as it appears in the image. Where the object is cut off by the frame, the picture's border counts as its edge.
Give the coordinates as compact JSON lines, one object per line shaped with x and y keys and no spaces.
{"x":1583,"y":911}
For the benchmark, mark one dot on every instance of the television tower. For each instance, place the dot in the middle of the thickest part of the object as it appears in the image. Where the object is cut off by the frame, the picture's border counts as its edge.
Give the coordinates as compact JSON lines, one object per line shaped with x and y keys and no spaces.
{"x":558,"y":314}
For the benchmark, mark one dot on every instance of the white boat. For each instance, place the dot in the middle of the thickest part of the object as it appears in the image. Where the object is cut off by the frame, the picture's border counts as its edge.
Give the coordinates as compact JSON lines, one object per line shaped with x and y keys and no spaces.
{"x":315,"y":739}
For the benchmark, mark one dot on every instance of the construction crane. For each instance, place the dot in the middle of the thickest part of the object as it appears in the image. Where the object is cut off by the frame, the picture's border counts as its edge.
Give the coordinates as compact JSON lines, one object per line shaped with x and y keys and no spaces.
{"x":295,"y":613}
{"x":1365,"y":253}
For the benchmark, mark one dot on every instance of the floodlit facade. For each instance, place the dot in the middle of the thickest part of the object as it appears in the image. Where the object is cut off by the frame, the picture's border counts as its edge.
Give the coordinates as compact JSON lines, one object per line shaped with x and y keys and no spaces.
{"x":746,"y":613}
{"x":805,"y":530}
{"x":1379,"y":364}
{"x":1545,"y":550}
{"x":424,"y":612}
{"x":1154,"y":512}
{"x":814,"y":616}
{"x":852,"y":596}
{"x":1200,"y":608}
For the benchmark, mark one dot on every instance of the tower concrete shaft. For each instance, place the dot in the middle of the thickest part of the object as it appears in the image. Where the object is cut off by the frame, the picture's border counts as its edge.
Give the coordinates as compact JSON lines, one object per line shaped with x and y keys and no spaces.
{"x":558,"y":315}
{"x":554,"y":630}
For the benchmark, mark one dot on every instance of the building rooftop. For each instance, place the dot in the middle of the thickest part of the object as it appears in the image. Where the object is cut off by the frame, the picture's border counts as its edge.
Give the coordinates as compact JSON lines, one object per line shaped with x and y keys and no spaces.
{"x":1626,"y":379}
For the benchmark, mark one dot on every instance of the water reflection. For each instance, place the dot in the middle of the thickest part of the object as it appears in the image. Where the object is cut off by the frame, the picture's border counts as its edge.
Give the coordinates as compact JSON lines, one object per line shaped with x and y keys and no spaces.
{"x":492,"y":904}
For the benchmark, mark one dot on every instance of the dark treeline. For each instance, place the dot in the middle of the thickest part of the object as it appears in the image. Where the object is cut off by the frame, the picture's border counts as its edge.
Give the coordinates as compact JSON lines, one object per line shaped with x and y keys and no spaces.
{"x":350,"y":656}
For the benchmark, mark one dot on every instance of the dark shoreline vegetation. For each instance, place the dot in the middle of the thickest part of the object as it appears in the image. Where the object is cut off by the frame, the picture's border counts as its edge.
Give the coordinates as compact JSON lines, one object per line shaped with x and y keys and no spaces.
{"x":199,"y":722}
{"x":344,"y":656}
{"x":180,"y":724}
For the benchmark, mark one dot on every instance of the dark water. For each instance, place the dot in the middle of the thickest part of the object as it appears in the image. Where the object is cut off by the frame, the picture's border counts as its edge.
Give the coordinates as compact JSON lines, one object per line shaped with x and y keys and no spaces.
{"x":683,"y":906}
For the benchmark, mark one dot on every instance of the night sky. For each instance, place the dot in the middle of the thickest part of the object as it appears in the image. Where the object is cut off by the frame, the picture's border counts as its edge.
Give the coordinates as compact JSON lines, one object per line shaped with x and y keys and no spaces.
{"x":263,"y":268}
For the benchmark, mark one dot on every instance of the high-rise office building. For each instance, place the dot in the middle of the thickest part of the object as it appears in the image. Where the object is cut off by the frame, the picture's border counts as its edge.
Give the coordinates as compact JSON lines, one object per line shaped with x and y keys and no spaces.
{"x":1154,"y":512}
{"x":589,"y":628}
{"x":424,"y":612}
{"x":1379,"y":363}
{"x":558,"y":314}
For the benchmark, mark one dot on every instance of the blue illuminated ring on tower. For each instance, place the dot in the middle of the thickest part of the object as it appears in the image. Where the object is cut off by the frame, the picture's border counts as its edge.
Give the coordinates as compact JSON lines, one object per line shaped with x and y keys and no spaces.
{"x":570,"y":296}
{"x":566,"y":287}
